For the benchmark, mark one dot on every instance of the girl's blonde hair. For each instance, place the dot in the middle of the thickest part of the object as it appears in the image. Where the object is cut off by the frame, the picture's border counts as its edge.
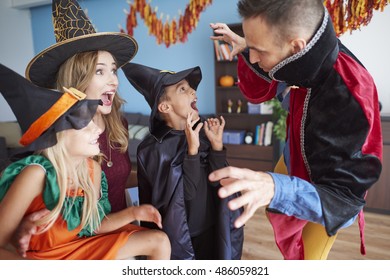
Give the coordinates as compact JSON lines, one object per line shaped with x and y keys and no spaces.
{"x":69,"y":176}
{"x":77,"y":72}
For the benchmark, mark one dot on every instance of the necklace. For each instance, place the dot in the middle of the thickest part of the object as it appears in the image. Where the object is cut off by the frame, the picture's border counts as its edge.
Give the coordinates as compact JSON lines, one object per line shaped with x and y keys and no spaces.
{"x":109,"y":162}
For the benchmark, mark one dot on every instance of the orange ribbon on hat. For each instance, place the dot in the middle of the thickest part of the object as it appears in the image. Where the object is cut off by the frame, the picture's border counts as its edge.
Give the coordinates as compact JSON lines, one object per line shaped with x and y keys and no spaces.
{"x":66,"y":101}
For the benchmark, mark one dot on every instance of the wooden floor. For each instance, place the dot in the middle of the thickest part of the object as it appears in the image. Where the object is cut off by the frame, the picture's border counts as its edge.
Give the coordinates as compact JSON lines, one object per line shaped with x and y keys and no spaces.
{"x":259,"y":241}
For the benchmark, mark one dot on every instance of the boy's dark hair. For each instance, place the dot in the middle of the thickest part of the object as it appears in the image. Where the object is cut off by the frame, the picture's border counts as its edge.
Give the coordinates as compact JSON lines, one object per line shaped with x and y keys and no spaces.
{"x":163,"y":97}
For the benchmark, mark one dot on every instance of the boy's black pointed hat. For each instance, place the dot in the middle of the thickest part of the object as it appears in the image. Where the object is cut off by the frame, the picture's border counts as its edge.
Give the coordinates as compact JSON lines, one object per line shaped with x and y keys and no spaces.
{"x":150,"y":82}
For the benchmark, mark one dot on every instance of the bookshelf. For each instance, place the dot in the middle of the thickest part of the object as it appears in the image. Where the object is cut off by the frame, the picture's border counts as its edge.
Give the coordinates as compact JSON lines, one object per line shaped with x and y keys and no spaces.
{"x":256,"y":157}
{"x":378,"y":196}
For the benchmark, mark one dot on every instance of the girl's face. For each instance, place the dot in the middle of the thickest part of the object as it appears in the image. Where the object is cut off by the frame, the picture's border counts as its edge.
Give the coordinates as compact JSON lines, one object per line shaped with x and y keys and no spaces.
{"x":83,"y":143}
{"x":104,"y":83}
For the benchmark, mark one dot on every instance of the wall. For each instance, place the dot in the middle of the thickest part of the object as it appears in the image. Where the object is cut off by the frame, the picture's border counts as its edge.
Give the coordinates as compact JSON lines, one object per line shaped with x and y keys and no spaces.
{"x":370,"y":44}
{"x":198,"y":50}
{"x":16,"y":48}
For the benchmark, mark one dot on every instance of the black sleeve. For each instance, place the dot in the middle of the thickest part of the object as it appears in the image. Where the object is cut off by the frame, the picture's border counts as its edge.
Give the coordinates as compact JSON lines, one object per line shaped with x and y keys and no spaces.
{"x":191,"y":175}
{"x":217,"y":160}
{"x":144,"y":190}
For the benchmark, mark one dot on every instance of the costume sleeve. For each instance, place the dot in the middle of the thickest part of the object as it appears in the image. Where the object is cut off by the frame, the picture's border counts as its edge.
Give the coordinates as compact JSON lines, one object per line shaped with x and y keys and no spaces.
{"x":217,"y":160}
{"x":143,"y":183}
{"x":51,"y":191}
{"x":103,"y":201}
{"x":144,"y":190}
{"x":191,"y":175}
{"x":299,"y":198}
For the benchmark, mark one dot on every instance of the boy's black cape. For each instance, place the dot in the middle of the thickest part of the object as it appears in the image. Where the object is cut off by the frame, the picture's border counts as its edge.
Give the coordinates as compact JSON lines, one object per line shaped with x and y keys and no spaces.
{"x":160,"y":158}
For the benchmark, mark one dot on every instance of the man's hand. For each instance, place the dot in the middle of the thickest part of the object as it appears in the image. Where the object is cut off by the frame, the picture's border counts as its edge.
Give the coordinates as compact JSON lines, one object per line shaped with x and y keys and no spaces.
{"x":214,"y":132}
{"x":227,"y":35}
{"x":257,"y":190}
{"x":21,"y":239}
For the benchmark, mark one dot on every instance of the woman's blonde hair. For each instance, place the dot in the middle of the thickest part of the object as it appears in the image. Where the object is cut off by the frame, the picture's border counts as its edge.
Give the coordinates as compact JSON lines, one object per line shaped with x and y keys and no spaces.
{"x":77,"y":72}
{"x":69,"y":176}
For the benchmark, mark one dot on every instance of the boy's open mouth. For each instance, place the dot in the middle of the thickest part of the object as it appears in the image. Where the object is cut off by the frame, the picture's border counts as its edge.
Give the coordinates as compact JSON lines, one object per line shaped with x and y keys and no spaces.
{"x":193,"y":105}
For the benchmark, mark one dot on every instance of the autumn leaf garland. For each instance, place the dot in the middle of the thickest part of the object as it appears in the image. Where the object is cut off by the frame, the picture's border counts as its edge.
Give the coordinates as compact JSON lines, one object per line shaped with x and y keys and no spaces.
{"x":352,"y":14}
{"x":347,"y":15}
{"x":171,"y":31}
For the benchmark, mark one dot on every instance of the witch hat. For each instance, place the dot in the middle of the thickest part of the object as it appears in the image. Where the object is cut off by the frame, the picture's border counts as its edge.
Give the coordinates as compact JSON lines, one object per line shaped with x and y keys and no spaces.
{"x":150,"y":82}
{"x":41,"y":112}
{"x":75,"y":34}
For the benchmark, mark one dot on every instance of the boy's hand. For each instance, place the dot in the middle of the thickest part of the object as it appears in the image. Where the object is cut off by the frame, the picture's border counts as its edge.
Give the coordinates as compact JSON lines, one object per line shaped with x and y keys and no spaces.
{"x":192,"y":134}
{"x":214,"y":132}
{"x":147,"y":213}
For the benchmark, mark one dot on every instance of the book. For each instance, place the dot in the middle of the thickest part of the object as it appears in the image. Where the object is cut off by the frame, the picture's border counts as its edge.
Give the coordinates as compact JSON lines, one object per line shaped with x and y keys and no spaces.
{"x":266,"y":109}
{"x":261,"y":135}
{"x":217,"y":51}
{"x":268,"y":133}
{"x":257,"y":132}
{"x":225,"y":51}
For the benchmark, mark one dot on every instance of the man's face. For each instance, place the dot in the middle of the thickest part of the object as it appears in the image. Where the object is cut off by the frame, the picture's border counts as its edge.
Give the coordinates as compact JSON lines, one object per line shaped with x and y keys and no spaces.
{"x":265,"y":46}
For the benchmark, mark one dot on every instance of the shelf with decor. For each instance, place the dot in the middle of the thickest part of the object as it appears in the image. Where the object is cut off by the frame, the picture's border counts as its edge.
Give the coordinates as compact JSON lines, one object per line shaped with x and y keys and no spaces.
{"x":378,"y":196}
{"x":243,"y":120}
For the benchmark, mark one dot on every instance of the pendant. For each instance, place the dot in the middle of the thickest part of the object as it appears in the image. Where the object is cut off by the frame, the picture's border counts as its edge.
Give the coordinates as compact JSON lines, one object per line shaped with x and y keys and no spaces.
{"x":110,"y":163}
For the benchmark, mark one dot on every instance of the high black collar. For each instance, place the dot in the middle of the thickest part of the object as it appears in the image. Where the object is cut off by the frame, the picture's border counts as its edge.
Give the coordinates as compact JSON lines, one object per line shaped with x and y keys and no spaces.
{"x":313,"y":63}
{"x":161,"y":130}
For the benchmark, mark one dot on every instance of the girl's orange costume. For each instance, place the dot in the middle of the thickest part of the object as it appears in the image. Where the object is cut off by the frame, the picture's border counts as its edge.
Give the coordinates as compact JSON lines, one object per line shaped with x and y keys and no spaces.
{"x":66,"y":239}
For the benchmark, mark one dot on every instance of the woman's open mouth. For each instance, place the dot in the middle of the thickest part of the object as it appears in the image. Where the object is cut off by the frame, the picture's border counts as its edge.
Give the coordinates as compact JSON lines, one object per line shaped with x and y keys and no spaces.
{"x":107,"y":98}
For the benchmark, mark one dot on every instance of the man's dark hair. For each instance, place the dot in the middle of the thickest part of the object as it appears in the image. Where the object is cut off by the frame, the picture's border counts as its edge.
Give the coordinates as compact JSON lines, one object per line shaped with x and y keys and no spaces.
{"x":285,"y":15}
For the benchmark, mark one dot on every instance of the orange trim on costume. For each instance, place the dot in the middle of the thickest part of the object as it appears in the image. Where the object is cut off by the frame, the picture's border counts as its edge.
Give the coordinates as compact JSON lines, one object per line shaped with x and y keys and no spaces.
{"x":67,"y":100}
